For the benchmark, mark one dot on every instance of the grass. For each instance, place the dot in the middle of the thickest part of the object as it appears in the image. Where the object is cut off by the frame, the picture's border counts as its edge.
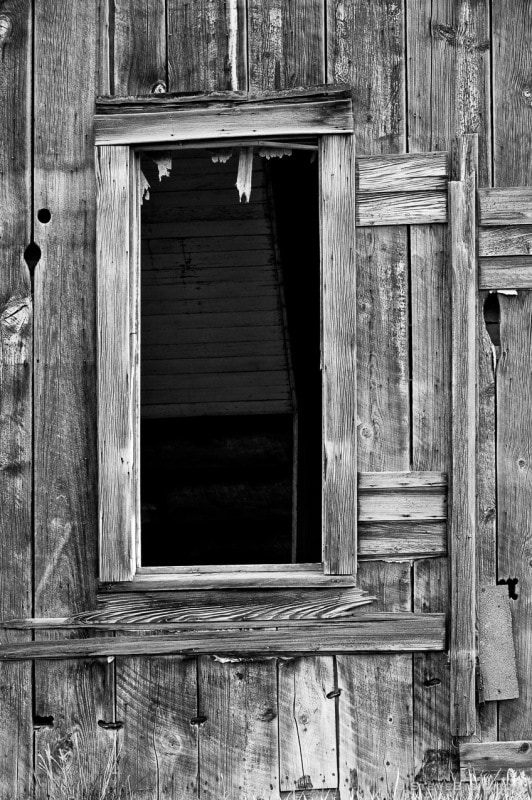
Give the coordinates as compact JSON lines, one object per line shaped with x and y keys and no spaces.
{"x":66,"y":774}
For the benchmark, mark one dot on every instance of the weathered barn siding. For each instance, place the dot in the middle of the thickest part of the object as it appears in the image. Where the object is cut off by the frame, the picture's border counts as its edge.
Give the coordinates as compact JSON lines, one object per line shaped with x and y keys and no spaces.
{"x":420,"y":72}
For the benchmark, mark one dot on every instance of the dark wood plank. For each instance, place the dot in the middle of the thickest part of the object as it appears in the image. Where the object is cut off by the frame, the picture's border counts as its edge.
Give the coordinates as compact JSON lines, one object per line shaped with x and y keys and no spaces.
{"x":285,"y":42}
{"x":379,"y":633}
{"x":77,"y":695}
{"x":139,"y":47}
{"x":307,"y":724}
{"x":238,"y":739}
{"x":339,"y":387}
{"x":206,"y":46}
{"x":156,"y":705}
{"x":495,"y":757}
{"x":463,"y":434}
{"x":16,"y":756}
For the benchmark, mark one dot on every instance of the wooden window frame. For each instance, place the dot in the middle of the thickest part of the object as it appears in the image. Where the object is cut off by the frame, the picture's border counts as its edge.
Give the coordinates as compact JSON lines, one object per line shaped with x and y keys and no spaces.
{"x":122,"y":131}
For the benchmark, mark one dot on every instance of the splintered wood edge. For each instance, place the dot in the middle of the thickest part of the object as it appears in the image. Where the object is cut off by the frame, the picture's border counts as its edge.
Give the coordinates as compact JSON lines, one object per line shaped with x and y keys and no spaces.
{"x":401,"y":633}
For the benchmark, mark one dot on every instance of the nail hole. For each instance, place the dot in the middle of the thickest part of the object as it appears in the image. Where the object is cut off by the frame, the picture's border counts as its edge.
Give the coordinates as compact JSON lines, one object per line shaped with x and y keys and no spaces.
{"x":43,"y":215}
{"x":32,"y":255}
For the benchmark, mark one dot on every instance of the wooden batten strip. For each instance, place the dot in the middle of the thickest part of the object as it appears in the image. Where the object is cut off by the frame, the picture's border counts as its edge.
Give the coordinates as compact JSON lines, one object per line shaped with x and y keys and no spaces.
{"x":462,"y":229}
{"x":397,"y":172}
{"x":339,"y":386}
{"x":494,"y":757}
{"x":505,"y":272}
{"x":116,"y":348}
{"x":401,"y":632}
{"x":505,"y":206}
{"x":252,"y":119}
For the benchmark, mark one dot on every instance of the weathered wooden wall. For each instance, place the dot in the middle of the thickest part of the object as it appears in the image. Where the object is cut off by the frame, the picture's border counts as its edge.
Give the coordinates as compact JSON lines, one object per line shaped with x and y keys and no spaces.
{"x":420,"y":72}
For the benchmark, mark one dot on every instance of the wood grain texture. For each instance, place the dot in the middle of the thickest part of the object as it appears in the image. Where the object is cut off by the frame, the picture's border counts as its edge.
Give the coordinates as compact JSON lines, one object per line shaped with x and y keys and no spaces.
{"x":256,"y":120}
{"x":463,"y":433}
{"x":514,"y":483}
{"x":16,"y":757}
{"x":167,"y":579}
{"x":339,"y":386}
{"x":501,"y":241}
{"x":495,"y":757}
{"x":512,"y":93}
{"x":398,"y":172}
{"x":505,"y":206}
{"x":285,"y":43}
{"x":307,"y":724}
{"x":365,"y":47}
{"x":505,"y":272}
{"x":206,"y":46}
{"x":156,"y":701}
{"x":238,"y":741}
{"x":116,"y":379}
{"x":77,"y":694}
{"x":486,"y":545}
{"x":139,"y":47}
{"x":379,"y":633}
{"x":401,"y":208}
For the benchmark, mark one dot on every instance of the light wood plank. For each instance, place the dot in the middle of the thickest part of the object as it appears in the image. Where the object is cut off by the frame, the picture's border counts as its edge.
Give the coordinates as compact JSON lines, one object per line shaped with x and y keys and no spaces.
{"x":502,"y":241}
{"x":495,"y":645}
{"x":387,"y":633}
{"x":505,"y":206}
{"x":495,"y":758}
{"x":255,"y":119}
{"x":238,"y":740}
{"x":338,"y":302}
{"x":401,"y":208}
{"x":506,"y":272}
{"x":115,"y":374}
{"x":397,"y":172}
{"x":16,"y":324}
{"x":156,"y":703}
{"x":307,"y":724}
{"x":245,"y":579}
{"x":464,"y":428}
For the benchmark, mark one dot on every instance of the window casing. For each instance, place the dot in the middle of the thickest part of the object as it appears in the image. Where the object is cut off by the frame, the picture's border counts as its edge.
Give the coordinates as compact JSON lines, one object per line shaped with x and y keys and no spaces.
{"x":119,"y":138}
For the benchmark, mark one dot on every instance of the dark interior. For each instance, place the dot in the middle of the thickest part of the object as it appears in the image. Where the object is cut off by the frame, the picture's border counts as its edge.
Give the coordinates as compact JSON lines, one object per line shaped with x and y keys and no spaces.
{"x":223,"y":479}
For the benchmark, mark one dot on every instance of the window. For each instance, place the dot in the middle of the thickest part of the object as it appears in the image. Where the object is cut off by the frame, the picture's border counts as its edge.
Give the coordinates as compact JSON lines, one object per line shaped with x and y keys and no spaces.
{"x":130,"y":409}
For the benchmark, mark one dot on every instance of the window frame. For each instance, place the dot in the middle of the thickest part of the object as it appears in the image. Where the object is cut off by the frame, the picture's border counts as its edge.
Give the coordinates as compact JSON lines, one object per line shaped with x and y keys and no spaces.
{"x":122,"y":131}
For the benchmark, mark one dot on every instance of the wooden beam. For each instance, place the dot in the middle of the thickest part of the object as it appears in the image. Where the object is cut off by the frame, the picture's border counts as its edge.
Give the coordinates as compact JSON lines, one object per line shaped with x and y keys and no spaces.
{"x":116,"y":336}
{"x":494,"y":757}
{"x":506,"y":206}
{"x":505,"y":272}
{"x":338,"y":348}
{"x":401,"y":632}
{"x":255,"y":119}
{"x":462,"y":229}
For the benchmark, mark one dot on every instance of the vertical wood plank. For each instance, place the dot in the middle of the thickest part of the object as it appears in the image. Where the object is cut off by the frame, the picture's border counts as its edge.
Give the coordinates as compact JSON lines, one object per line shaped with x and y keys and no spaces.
{"x":512,"y":64}
{"x":78,"y":693}
{"x":514,"y":390}
{"x":286,"y":44}
{"x":307,"y":724}
{"x":16,"y":745}
{"x":139,"y":47}
{"x":375,"y":701}
{"x":238,"y":745}
{"x":116,"y":380}
{"x":157,"y":704}
{"x":206,"y":45}
{"x":338,"y":311}
{"x":462,"y":234}
{"x":365,"y":48}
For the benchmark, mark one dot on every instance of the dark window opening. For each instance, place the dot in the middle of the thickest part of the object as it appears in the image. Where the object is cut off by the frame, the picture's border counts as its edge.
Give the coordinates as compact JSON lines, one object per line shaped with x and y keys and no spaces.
{"x":230,"y":363}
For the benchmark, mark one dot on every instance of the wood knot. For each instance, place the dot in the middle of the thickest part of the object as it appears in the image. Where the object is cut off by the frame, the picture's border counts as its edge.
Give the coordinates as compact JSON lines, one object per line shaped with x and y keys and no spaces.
{"x":6,"y":26}
{"x":524,"y":747}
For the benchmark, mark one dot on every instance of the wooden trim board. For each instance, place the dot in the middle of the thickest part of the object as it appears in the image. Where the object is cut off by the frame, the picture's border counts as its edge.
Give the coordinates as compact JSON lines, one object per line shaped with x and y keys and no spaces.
{"x":401,"y":632}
